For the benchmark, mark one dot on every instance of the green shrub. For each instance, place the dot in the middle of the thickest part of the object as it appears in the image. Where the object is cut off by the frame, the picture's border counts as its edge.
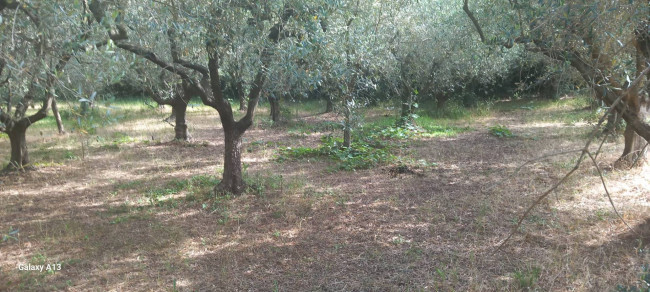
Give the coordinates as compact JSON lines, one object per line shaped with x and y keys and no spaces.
{"x":501,"y":131}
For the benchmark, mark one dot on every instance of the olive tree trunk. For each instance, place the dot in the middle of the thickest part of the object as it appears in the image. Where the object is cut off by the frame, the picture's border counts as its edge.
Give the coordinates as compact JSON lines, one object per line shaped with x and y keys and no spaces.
{"x":57,"y":116}
{"x":181,"y":130}
{"x":232,"y":180}
{"x":239,"y":89}
{"x":19,"y":155}
{"x":347,"y":125}
{"x":635,"y":146}
{"x":275,"y":108}
{"x":638,"y":101}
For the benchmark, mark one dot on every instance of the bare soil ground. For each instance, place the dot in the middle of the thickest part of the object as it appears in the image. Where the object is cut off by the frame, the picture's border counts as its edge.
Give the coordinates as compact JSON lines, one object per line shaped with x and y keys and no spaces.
{"x":114,"y":222}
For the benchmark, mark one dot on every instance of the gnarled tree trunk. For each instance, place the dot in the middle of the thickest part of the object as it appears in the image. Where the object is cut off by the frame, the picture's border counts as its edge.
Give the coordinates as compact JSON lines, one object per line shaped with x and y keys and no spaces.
{"x":635,"y":146}
{"x":181,"y":130}
{"x":232,"y":180}
{"x":406,"y":91}
{"x":613,"y":123}
{"x":172,"y":116}
{"x":638,"y":102}
{"x":441,"y":100}
{"x":19,"y":155}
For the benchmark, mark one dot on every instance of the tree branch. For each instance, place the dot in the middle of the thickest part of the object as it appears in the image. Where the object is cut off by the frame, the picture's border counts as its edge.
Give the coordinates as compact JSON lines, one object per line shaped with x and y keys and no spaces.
{"x":474,"y":21}
{"x":217,"y":101}
{"x":171,"y":34}
{"x":602,"y":179}
{"x":581,"y":158}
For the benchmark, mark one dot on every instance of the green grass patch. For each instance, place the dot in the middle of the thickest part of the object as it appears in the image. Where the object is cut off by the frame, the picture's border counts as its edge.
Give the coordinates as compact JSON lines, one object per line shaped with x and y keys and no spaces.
{"x":453,"y":110}
{"x":500,"y":131}
{"x":191,"y":187}
{"x":438,"y":128}
{"x":122,"y":138}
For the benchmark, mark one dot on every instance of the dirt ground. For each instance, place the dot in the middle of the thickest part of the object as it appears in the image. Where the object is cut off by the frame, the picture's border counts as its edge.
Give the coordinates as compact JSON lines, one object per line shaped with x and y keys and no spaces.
{"x":314,"y":229}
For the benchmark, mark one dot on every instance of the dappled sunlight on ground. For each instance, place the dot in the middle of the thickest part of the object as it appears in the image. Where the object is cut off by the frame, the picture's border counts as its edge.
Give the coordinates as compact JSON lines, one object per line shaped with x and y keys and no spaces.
{"x":137,"y":213}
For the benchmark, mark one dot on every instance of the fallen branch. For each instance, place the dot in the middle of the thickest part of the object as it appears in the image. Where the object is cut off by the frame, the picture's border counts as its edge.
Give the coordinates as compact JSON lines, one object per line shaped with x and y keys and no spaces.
{"x":542,"y":197}
{"x":518,"y":169}
{"x":583,"y":155}
{"x":602,"y":179}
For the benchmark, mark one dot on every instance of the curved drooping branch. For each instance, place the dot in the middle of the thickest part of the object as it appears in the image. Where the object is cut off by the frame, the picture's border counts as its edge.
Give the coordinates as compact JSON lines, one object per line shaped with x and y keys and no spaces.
{"x":119,"y":35}
{"x":474,"y":21}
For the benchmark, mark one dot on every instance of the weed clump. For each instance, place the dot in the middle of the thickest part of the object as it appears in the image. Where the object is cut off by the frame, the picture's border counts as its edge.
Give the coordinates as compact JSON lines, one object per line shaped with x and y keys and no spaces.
{"x":501,"y":131}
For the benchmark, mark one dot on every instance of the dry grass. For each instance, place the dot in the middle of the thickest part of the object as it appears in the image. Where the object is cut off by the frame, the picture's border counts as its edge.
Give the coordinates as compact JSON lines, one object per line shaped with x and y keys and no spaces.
{"x":311,"y":229}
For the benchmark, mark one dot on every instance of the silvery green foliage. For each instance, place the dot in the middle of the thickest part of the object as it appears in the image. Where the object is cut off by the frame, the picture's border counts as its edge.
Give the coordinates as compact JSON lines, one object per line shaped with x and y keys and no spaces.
{"x":32,"y":41}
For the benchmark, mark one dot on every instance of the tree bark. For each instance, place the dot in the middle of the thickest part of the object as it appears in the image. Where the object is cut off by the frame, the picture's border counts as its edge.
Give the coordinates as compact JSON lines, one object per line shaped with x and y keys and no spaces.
{"x":57,"y":116}
{"x":635,"y":145}
{"x":613,"y":123}
{"x":172,"y":116}
{"x":406,"y":90}
{"x":19,"y":155}
{"x":638,"y":103}
{"x":179,"y":111}
{"x":239,"y":89}
{"x":330,"y":104}
{"x":406,"y":114}
{"x":347,"y":127}
{"x":233,"y":180}
{"x":275,"y":108}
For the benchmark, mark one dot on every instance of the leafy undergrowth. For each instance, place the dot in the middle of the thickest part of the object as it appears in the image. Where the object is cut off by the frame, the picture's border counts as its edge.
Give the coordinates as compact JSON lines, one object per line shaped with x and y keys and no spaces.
{"x":373,"y":145}
{"x":370,"y":147}
{"x":360,"y":155}
{"x":501,"y":131}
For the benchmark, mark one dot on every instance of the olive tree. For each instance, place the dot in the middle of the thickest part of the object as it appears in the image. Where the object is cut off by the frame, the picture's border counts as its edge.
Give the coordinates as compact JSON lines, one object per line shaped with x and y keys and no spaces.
{"x":438,"y":60}
{"x":354,"y":54}
{"x":198,"y":58}
{"x":606,"y":42}
{"x":36,"y":44}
